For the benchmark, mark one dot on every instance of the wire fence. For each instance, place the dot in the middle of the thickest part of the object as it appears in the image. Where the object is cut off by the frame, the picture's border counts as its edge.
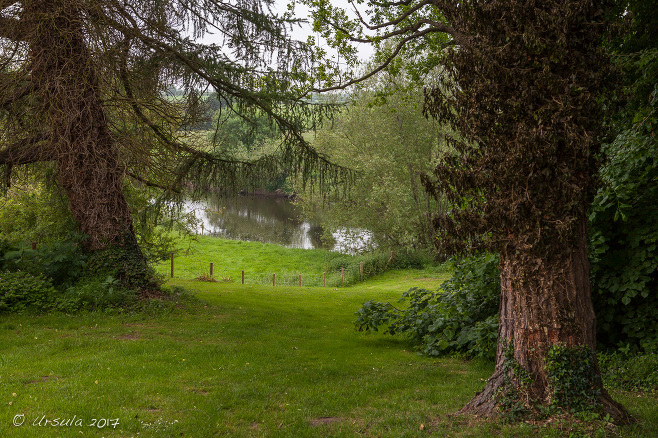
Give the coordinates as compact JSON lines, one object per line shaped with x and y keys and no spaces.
{"x":333,"y":279}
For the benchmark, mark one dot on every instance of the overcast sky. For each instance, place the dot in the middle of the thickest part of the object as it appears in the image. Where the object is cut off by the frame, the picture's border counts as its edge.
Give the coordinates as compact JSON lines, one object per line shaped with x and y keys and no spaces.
{"x":302,"y":33}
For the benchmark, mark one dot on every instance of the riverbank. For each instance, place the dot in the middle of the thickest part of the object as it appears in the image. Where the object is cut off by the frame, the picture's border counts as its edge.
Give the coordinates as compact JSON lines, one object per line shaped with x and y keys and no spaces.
{"x":267,"y":263}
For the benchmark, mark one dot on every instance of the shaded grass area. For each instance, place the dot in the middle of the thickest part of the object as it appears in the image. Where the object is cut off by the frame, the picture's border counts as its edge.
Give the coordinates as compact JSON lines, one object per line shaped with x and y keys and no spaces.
{"x":247,"y":361}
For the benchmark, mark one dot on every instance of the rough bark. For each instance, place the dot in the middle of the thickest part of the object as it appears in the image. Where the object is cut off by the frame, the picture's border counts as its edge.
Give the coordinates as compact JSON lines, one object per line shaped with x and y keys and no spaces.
{"x":544,"y":302}
{"x":88,"y":162}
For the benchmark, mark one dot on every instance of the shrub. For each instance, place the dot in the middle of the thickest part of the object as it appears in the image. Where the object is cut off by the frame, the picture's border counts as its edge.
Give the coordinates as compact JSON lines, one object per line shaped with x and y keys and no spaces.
{"x":35,"y":212}
{"x":21,"y":291}
{"x":462,"y":317}
{"x":62,"y":263}
{"x":623,"y":249}
{"x":375,"y":264}
{"x":96,"y":294}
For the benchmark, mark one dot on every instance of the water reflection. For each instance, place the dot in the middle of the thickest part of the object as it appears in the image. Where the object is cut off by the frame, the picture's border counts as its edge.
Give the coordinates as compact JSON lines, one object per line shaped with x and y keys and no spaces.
{"x":257,"y":218}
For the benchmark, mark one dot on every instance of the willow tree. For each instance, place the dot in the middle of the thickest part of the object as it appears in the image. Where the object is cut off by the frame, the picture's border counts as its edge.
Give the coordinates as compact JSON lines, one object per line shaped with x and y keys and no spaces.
{"x":519,"y":87}
{"x":83,"y":86}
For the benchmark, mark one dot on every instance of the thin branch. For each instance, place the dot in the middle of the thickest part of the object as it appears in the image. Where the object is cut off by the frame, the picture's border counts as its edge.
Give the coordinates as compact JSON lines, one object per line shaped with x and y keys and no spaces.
{"x":152,"y":184}
{"x":388,"y":4}
{"x":383,"y":65}
{"x":397,"y":21}
{"x":25,"y":151}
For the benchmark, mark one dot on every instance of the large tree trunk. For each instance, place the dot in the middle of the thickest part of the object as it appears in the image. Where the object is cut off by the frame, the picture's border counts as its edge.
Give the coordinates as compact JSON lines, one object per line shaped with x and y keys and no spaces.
{"x":86,"y":154}
{"x":543,"y":303}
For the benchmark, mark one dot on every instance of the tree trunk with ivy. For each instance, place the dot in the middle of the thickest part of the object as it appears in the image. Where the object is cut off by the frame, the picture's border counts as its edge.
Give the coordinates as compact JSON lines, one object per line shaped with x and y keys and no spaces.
{"x":521,"y":94}
{"x":79,"y":138}
{"x":546,"y":338}
{"x":87,"y":158}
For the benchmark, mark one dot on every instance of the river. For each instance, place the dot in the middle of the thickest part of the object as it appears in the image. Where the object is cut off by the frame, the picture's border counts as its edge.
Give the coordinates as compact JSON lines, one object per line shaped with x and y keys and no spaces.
{"x":269,"y":220}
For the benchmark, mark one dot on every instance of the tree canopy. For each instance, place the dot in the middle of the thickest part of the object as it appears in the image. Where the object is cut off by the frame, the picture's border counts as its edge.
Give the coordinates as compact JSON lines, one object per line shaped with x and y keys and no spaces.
{"x":83,"y":85}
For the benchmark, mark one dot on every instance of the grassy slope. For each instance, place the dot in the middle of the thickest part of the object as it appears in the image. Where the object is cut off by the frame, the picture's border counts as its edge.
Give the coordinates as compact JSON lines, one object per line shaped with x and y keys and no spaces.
{"x":260,"y":261}
{"x":249,"y":361}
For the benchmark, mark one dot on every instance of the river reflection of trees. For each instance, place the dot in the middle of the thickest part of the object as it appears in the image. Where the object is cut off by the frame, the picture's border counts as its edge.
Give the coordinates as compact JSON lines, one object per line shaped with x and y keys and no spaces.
{"x":257,"y":218}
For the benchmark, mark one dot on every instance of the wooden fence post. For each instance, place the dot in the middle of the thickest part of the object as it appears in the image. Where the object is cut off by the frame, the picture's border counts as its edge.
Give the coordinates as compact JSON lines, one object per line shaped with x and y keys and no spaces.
{"x":273,"y":279}
{"x":243,"y":276}
{"x":300,"y":280}
{"x":211,"y":266}
{"x":342,"y":276}
{"x":172,"y":265}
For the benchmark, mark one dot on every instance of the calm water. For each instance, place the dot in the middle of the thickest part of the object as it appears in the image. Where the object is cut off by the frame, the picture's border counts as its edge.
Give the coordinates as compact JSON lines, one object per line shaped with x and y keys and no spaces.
{"x":265,"y":219}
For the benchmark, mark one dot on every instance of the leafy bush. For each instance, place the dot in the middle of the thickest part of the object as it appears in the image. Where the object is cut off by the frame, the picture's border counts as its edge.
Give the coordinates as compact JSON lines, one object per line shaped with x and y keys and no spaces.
{"x":638,"y":372}
{"x":62,"y":263}
{"x":35,"y":213}
{"x":23,"y":291}
{"x":95,"y":294}
{"x":462,"y":317}
{"x":624,"y":244}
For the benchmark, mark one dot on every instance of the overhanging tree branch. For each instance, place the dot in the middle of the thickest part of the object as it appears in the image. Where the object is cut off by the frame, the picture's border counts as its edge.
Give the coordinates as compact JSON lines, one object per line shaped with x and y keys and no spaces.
{"x":26,"y":151}
{"x":382,"y":65}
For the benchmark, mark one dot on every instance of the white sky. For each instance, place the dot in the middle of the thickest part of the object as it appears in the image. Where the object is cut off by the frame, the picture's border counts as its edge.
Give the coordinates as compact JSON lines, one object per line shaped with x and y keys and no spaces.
{"x":365,"y":50}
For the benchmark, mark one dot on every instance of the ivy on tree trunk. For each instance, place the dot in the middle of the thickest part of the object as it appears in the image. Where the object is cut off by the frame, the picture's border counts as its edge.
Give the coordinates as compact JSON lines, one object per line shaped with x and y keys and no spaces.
{"x":521,"y":94}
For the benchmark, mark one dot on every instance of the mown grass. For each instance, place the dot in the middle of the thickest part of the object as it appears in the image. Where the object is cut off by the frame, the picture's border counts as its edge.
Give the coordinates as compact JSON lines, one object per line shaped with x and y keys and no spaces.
{"x":250,"y":360}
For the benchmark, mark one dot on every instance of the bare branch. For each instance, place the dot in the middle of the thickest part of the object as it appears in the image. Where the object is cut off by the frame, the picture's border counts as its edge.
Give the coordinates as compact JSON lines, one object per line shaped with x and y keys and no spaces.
{"x":388,"y":4}
{"x":398,"y":20}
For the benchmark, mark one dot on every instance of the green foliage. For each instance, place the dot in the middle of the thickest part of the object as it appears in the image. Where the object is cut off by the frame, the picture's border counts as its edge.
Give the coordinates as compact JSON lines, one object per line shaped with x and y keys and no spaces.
{"x":573,"y":378}
{"x":511,"y":394}
{"x":232,"y":132}
{"x":63,"y":263}
{"x":385,"y":138}
{"x":623,"y":230}
{"x":96,"y":294}
{"x":159,"y":225}
{"x":624,"y":243}
{"x":34,"y":213}
{"x":634,"y":372}
{"x":20,"y":291}
{"x":374,"y":264}
{"x":125,"y":264}
{"x":459,"y":318}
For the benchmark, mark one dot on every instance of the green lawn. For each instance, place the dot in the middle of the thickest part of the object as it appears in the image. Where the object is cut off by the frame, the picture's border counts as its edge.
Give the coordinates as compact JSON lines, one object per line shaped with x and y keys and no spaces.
{"x":261,"y":260}
{"x":247,"y":360}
